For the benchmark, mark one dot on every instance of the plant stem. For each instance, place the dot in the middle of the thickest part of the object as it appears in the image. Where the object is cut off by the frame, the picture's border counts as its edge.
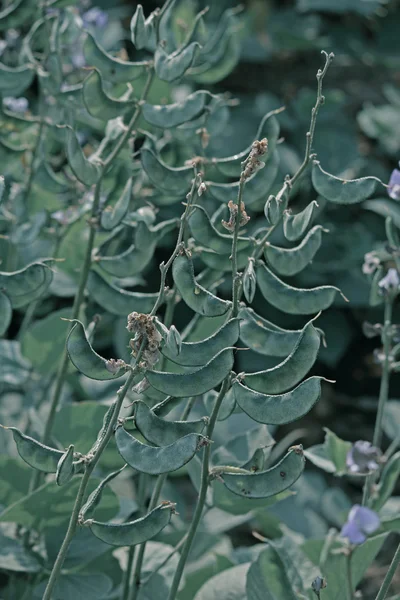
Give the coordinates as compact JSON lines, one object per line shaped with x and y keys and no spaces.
{"x":235,"y":275}
{"x":383,"y":391}
{"x":82,"y":489}
{"x":389,"y":576}
{"x":349,"y":575}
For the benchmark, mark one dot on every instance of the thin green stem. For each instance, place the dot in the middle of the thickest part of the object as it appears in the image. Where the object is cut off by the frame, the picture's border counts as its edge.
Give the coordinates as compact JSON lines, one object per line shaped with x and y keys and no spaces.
{"x":389,"y":576}
{"x":127,"y":574}
{"x":235,"y":275}
{"x":383,"y":391}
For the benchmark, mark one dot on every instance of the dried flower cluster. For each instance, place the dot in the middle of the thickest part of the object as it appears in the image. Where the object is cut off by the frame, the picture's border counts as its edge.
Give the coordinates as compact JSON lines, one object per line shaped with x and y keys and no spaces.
{"x":145,"y":331}
{"x":233,"y":209}
{"x":252,"y":164}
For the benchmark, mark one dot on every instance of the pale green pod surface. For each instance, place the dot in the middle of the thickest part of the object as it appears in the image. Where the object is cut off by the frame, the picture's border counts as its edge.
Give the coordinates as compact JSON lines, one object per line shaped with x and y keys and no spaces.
{"x":130,"y":262}
{"x":85,"y":359}
{"x":16,"y":13}
{"x":342,"y":191}
{"x":227,"y":407}
{"x":290,"y":371}
{"x":154,"y":460}
{"x":13,"y":81}
{"x":142,"y":30}
{"x":111,"y":69}
{"x":5,"y":312}
{"x":164,"y":407}
{"x":265,"y":337}
{"x":281,"y":409}
{"x":256,"y":462}
{"x":295,"y":301}
{"x":264,"y":484}
{"x":98,"y":103}
{"x":174,"y":181}
{"x":134,"y":532}
{"x":194,"y":295}
{"x":231,"y":166}
{"x":37,"y":455}
{"x":160,"y":432}
{"x":249,"y":282}
{"x":206,"y":234}
{"x":211,"y":72}
{"x":295,"y":225}
{"x":196,"y":354}
{"x":94,"y":498}
{"x":83,"y":169}
{"x":118,"y":301}
{"x":27,"y":284}
{"x":196,"y":382}
{"x":48,"y":180}
{"x":222,"y":262}
{"x":170,"y":67}
{"x":174,"y":341}
{"x":172,"y":115}
{"x":112,"y":216}
{"x":256,"y":187}
{"x":65,"y":467}
{"x":387,"y":482}
{"x":289,"y":261}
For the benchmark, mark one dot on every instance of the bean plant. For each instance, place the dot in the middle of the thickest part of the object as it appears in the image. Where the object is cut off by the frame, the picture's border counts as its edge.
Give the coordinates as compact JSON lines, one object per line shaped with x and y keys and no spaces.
{"x":103,"y":173}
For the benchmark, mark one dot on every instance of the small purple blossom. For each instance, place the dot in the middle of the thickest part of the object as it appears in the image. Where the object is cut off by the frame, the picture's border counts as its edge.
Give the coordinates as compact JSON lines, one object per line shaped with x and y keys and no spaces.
{"x":17,"y":105}
{"x":363,"y":458}
{"x":360,"y":523}
{"x":394,"y":185}
{"x":95,"y":17}
{"x":390,"y":283}
{"x":371,"y":263}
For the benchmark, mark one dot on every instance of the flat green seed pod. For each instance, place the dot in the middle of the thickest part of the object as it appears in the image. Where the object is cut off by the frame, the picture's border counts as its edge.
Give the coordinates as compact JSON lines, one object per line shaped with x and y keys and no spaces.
{"x":289,"y":261}
{"x":65,"y":467}
{"x":196,"y":382}
{"x":265,"y":337}
{"x":170,"y":67}
{"x":342,"y":191}
{"x":16,"y":13}
{"x":94,"y":498}
{"x":156,"y":460}
{"x":13,"y":81}
{"x":289,"y":372}
{"x":142,"y":30}
{"x":295,"y":225}
{"x":194,"y":295}
{"x":48,"y":180}
{"x":256,"y":462}
{"x":196,"y":354}
{"x":111,"y":69}
{"x":84,"y":170}
{"x":112,"y":216}
{"x":172,"y":115}
{"x":174,"y":181}
{"x":27,"y":284}
{"x":85,"y":359}
{"x":34,"y":453}
{"x":281,"y":409}
{"x":98,"y":103}
{"x":256,"y":188}
{"x":231,"y":166}
{"x":222,"y":262}
{"x":264,"y":484}
{"x":212,"y":72}
{"x":130,"y":262}
{"x":134,"y":532}
{"x":295,"y":301}
{"x":207,"y":235}
{"x":160,"y":432}
{"x":5,"y":312}
{"x":116,"y":300}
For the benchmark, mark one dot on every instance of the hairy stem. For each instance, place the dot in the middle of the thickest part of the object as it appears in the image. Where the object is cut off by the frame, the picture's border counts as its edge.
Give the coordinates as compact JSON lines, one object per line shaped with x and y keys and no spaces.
{"x":389,"y":576}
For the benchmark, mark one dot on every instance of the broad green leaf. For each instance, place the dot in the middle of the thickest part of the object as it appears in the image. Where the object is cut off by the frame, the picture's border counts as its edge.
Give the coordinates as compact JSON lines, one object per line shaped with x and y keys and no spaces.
{"x":15,"y":369}
{"x":15,"y":477}
{"x":44,"y":341}
{"x":13,"y":81}
{"x":267,"y":578}
{"x":78,"y":586}
{"x":15,"y":557}
{"x":27,"y":284}
{"x":230,"y":584}
{"x":384,"y":207}
{"x":331,"y":455}
{"x":342,"y":191}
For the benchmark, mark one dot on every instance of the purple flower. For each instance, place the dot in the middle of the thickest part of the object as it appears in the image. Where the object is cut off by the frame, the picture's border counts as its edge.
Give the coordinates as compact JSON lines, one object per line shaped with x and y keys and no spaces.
{"x":95,"y":17}
{"x":394,"y":185}
{"x":390,"y":283}
{"x":17,"y":105}
{"x":363,"y":458}
{"x":360,"y":523}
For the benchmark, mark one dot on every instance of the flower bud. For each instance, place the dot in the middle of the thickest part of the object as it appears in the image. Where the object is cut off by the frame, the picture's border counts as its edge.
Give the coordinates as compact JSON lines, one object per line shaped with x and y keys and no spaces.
{"x":249,"y":281}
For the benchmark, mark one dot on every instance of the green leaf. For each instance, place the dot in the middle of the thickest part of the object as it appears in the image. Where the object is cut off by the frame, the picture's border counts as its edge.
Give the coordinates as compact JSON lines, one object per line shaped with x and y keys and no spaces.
{"x":331,"y":455}
{"x":110,"y":68}
{"x":15,"y":557}
{"x":295,"y":301}
{"x":265,"y":337}
{"x":27,"y":284}
{"x":78,"y":586}
{"x":44,"y":341}
{"x":15,"y":369}
{"x":13,"y":81}
{"x":15,"y":480}
{"x":278,"y":410}
{"x":384,"y":207}
{"x":289,"y":261}
{"x":118,"y":301}
{"x":153,"y":460}
{"x":391,"y":419}
{"x":194,"y":295}
{"x":267,"y":579}
{"x":98,"y":103}
{"x":342,"y":191}
{"x":134,"y":532}
{"x":295,"y":225}
{"x":292,"y":370}
{"x":193,"y":383}
{"x":5,"y":313}
{"x":228,"y":585}
{"x":170,"y":67}
{"x":341,"y":6}
{"x":16,"y":13}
